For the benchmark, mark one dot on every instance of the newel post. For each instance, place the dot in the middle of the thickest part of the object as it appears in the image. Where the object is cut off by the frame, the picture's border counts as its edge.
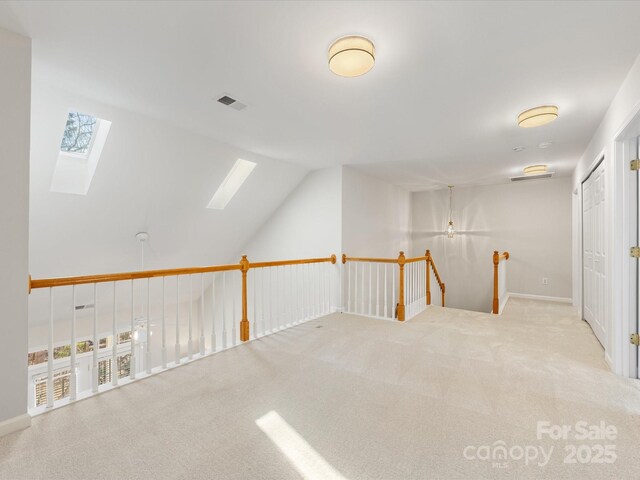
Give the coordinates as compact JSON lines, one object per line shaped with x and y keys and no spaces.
{"x":244,"y":323}
{"x":401,"y":262}
{"x":496,"y":302}
{"x":428,"y":280}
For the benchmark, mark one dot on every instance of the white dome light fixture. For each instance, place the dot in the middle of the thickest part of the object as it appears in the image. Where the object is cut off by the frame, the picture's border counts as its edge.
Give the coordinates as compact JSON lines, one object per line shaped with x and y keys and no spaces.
{"x":537,"y":116}
{"x":351,"y":56}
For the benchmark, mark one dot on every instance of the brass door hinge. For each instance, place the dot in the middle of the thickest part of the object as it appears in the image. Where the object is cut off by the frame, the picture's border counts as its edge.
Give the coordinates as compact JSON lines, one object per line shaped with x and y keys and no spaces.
{"x":635,"y":252}
{"x":635,"y":165}
{"x":634,"y":339}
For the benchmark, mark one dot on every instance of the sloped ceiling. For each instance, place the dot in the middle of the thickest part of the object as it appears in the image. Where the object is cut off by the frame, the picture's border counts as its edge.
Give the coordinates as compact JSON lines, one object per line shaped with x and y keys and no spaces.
{"x":151,"y":177}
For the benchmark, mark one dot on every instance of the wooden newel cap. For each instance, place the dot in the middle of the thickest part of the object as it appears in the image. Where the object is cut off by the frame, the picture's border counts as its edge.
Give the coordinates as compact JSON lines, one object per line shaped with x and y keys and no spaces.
{"x":344,"y":258}
{"x":506,"y":255}
{"x":401,"y":258}
{"x":333,"y":259}
{"x":244,"y":263}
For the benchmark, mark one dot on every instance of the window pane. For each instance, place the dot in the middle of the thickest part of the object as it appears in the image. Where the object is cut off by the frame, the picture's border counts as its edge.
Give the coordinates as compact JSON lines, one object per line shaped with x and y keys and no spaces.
{"x":78,"y":133}
{"x":104,"y":371}
{"x":124,"y":365}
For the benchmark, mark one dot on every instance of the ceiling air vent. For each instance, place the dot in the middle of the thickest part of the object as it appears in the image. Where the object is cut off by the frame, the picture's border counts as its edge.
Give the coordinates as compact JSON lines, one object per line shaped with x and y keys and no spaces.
{"x":232,"y":102}
{"x":532,"y":177}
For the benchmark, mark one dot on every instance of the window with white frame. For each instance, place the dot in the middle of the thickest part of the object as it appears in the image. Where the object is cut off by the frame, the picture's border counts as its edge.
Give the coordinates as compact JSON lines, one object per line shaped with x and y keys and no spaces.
{"x":61,"y":384}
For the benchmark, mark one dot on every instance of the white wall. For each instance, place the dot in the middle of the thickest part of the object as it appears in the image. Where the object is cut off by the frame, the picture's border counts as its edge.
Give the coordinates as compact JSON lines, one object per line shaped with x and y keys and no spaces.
{"x":618,"y":197}
{"x":307,"y":224}
{"x":376,"y":216}
{"x":15,"y":98}
{"x":531,"y":220}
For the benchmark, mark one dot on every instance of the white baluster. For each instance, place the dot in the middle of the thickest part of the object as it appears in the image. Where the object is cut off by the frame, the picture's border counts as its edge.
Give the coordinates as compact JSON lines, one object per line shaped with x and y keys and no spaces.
{"x":323,"y":287}
{"x":73,"y":387}
{"x":394,"y":302}
{"x":202,"y":345}
{"x":233,"y":313}
{"x":190,"y":341}
{"x":163,"y":351}
{"x":386,"y":293}
{"x":114,"y":346}
{"x":362,"y":310}
{"x":148,"y":342}
{"x":94,"y":371}
{"x":50,"y":353}
{"x":311,"y":299}
{"x":263,"y":311}
{"x":213,"y":312}
{"x":289,"y":298}
{"x":321,"y":293}
{"x":330,"y":283}
{"x":355,"y":288}
{"x":348,"y":283}
{"x":271,"y":298}
{"x":224,"y":312}
{"x":177,"y":347}
{"x":132,"y":340}
{"x":377,"y":289}
{"x":254,"y":285}
{"x":370,"y":289}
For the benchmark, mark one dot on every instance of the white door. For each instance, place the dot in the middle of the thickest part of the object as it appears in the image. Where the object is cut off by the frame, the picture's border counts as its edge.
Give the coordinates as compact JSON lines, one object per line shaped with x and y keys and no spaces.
{"x":593,"y":252}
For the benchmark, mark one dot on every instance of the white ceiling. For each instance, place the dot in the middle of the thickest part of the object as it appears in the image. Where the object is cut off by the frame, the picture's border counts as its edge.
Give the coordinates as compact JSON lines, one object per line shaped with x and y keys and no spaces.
{"x":438,"y":107}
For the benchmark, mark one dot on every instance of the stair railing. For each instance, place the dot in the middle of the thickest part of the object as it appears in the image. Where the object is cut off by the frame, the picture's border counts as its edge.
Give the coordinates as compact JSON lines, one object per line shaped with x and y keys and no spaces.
{"x":374,"y":288}
{"x":92,"y":332}
{"x":432,"y":265}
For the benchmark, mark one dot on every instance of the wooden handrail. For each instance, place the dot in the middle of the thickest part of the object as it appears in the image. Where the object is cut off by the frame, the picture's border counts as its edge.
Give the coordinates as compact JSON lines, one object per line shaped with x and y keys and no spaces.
{"x":281,"y":263}
{"x":441,"y":284}
{"x":117,"y":277}
{"x":346,"y":259}
{"x":497,"y":257}
{"x":244,"y":266}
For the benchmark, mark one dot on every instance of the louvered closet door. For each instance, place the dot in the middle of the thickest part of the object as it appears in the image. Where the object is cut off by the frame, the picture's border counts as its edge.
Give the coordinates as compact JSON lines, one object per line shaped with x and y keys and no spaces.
{"x":593,"y":245}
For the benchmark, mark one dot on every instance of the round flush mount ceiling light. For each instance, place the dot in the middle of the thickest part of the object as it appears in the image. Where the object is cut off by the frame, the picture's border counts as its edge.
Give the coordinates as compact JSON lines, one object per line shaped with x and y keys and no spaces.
{"x":535,"y":169}
{"x":535,"y":117}
{"x":351,"y":56}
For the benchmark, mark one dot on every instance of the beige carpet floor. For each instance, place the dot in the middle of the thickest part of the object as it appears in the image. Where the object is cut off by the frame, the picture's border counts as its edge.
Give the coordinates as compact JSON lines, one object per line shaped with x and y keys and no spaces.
{"x":359,"y":399}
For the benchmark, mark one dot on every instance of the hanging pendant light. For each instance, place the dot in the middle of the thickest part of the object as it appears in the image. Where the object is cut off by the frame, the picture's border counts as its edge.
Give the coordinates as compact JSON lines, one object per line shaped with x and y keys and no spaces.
{"x":450,"y":230}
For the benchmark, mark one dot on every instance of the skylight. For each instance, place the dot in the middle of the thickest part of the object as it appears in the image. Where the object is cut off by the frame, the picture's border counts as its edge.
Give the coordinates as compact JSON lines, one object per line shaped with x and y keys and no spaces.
{"x":78,"y":133}
{"x":83,"y":139}
{"x":231,"y":184}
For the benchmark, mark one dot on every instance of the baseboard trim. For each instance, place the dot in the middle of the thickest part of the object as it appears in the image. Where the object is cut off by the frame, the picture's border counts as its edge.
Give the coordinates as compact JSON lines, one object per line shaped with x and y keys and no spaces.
{"x":540,"y":297}
{"x":14,"y":424}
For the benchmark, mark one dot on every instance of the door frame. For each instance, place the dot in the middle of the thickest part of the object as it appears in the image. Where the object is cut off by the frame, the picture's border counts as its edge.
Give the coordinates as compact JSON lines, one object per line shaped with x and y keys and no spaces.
{"x":624,"y":288}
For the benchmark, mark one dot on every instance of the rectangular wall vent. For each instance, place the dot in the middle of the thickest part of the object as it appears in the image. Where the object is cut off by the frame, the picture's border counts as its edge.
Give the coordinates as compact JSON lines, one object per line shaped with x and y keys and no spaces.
{"x":532,"y":177}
